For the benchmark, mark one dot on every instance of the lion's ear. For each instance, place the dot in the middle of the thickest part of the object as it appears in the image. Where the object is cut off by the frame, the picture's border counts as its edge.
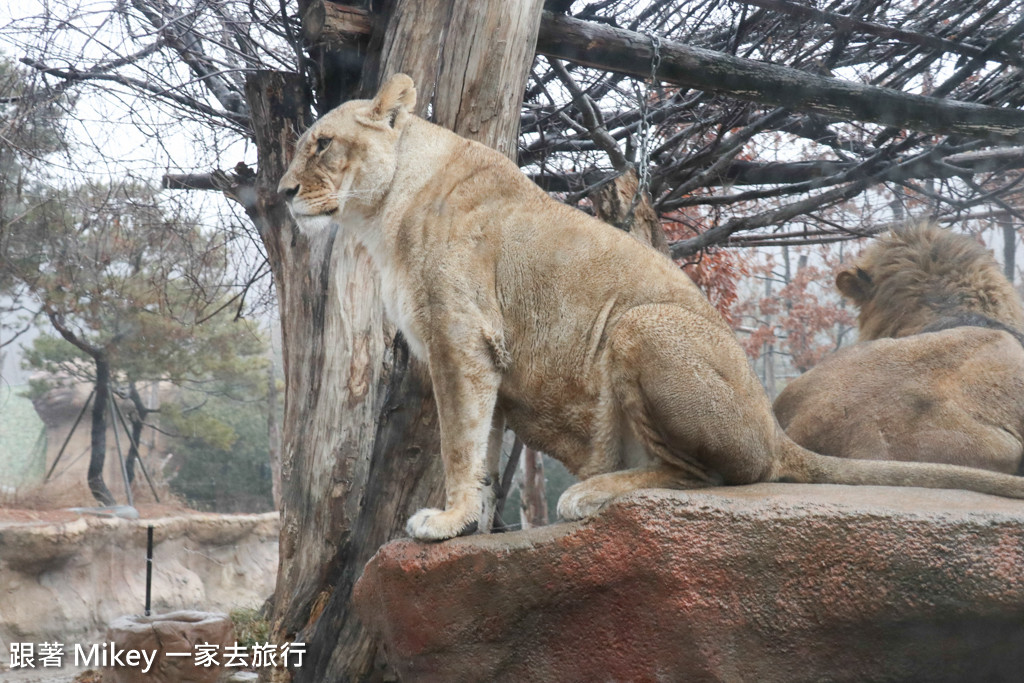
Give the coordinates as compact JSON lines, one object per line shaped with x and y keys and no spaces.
{"x":854,"y":284}
{"x":395,"y":96}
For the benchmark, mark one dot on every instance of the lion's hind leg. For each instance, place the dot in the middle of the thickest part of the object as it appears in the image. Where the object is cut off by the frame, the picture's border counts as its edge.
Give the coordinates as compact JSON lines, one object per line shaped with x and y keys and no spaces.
{"x":588,"y":497}
{"x":683,"y":385}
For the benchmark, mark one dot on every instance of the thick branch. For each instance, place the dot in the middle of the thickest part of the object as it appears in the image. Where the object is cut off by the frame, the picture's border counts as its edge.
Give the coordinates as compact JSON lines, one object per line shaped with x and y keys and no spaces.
{"x":615,"y":49}
{"x":57,"y":320}
{"x":192,"y":181}
{"x":778,"y":173}
{"x":239,"y":184}
{"x":721,"y":233}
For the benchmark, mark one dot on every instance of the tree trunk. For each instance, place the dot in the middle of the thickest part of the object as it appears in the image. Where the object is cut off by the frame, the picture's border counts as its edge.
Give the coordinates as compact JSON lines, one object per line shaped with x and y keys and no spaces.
{"x":532,"y":499}
{"x":360,"y":439}
{"x":137,"y":420}
{"x":273,"y":437}
{"x":98,"y":441}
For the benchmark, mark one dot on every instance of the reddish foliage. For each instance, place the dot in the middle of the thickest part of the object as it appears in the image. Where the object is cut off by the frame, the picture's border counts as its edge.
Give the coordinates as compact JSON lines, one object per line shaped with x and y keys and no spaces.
{"x":808,"y":315}
{"x":802,"y":314}
{"x":718,"y":274}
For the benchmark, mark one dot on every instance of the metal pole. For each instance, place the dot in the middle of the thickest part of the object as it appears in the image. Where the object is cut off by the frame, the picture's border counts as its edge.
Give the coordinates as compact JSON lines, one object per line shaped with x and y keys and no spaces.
{"x":149,"y":566}
{"x":68,"y":438}
{"x":138,"y":451}
{"x":117,"y":441}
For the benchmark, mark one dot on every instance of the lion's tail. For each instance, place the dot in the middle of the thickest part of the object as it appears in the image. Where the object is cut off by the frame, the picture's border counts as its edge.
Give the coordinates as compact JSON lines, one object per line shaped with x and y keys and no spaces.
{"x":800,"y":465}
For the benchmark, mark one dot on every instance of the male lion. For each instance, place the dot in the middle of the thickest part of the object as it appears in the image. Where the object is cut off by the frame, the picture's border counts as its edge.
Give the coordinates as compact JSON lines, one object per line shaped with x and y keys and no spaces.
{"x":592,"y":346}
{"x":938,"y":373}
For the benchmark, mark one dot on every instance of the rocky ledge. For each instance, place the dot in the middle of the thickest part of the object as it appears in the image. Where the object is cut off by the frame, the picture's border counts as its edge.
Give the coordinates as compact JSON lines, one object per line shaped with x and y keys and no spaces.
{"x":773,"y":582}
{"x":65,"y":581}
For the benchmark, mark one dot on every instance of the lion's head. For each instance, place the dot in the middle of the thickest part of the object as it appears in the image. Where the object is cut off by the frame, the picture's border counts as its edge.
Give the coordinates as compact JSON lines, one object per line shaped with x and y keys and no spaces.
{"x":912,"y":279}
{"x":348,"y":157}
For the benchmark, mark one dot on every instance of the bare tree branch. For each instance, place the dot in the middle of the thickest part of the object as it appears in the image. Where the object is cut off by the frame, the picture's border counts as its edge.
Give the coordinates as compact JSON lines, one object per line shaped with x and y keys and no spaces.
{"x":242,"y":122}
{"x":845,"y":23}
{"x":605,"y":47}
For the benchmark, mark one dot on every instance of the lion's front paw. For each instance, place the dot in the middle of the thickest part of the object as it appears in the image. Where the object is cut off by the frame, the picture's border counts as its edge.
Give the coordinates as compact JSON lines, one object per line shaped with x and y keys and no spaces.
{"x":581,"y":501}
{"x":430,"y":524}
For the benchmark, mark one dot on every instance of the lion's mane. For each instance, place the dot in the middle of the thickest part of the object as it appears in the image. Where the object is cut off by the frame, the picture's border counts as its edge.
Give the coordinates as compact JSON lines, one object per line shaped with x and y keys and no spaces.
{"x":925,"y":278}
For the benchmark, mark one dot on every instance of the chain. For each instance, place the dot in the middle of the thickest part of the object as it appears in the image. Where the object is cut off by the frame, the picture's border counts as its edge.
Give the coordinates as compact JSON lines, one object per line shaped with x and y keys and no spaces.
{"x":643,"y":166}
{"x":644,"y":172}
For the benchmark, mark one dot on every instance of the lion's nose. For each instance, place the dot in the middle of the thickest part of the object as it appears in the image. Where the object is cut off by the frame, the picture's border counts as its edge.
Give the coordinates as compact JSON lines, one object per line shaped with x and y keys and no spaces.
{"x":289,"y":191}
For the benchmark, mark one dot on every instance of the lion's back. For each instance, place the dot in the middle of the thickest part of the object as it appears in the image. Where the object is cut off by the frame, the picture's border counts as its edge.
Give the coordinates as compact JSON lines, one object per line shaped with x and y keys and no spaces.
{"x":953,"y":396}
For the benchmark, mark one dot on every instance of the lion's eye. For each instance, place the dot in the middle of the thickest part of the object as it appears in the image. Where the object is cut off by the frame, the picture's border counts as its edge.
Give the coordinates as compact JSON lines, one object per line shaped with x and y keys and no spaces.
{"x":322,"y":144}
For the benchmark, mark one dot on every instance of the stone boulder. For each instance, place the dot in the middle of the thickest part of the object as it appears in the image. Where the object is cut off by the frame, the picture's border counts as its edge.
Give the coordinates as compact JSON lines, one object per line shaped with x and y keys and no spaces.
{"x":772,"y":582}
{"x":175,"y":633}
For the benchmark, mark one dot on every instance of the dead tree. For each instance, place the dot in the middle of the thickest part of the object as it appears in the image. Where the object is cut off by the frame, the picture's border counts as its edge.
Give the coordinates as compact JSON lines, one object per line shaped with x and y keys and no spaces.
{"x":360,"y":438}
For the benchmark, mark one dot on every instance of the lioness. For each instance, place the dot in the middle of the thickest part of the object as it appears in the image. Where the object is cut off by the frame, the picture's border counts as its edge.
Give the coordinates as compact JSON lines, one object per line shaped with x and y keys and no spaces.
{"x":938,"y":373}
{"x":593,"y":347}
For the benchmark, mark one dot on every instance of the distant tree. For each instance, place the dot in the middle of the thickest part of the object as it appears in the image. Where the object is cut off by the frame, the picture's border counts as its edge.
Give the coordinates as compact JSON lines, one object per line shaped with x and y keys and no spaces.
{"x":136,"y":293}
{"x":220,"y":462}
{"x":798,"y":317}
{"x":31,"y":130}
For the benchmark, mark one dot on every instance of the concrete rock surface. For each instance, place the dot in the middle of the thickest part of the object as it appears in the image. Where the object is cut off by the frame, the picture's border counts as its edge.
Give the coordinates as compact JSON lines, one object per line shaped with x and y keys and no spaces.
{"x":772,"y":582}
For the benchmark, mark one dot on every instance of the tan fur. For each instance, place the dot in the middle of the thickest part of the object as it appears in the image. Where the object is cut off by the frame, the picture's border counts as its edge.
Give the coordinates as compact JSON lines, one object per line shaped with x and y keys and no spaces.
{"x":592,"y":346}
{"x":910,"y":279}
{"x":952,"y":395}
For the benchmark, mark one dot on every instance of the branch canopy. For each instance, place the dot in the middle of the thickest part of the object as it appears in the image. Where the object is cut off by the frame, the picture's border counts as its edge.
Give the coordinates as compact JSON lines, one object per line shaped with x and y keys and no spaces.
{"x":615,"y":49}
{"x":609,"y":48}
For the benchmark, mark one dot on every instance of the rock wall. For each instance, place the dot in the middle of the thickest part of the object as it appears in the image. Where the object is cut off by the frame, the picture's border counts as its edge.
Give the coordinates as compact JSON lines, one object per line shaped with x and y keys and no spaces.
{"x":65,"y":582}
{"x":773,"y":582}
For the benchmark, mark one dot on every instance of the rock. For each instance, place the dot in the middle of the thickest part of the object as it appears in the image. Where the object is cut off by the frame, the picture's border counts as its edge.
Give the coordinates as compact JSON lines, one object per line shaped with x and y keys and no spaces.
{"x":176,"y":632}
{"x":66,"y":581}
{"x":773,"y":582}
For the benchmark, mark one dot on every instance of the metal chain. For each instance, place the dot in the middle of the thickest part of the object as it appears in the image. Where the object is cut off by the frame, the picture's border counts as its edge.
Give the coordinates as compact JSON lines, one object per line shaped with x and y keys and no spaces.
{"x":644,"y":174}
{"x":643,"y":166}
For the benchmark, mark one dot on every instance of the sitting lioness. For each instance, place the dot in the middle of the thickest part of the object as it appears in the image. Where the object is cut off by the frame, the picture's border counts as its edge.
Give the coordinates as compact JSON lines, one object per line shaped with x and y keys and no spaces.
{"x":591,"y":346}
{"x":938,"y":373}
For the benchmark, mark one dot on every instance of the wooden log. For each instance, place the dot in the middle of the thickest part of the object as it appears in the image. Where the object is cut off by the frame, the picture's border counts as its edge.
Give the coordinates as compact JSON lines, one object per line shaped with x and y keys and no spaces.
{"x":329,"y":23}
{"x":786,"y":173}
